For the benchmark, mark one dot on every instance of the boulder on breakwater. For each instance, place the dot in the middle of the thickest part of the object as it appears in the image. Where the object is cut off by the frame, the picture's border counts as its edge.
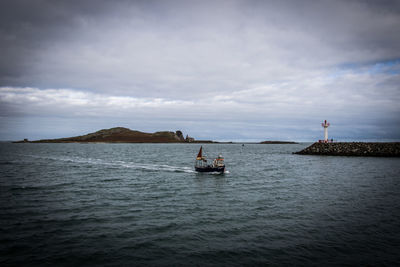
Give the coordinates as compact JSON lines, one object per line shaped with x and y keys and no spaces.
{"x":353,"y":149}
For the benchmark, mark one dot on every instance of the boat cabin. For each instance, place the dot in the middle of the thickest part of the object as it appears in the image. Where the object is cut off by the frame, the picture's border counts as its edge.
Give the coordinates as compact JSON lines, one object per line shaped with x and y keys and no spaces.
{"x":219,"y":162}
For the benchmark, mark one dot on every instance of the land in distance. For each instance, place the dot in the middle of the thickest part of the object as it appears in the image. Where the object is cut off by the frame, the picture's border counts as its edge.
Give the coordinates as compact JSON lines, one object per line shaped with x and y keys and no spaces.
{"x":125,"y":135}
{"x":278,"y":142}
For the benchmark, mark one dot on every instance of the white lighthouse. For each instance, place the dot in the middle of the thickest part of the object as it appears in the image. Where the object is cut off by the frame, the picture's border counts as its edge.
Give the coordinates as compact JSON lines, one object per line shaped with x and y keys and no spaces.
{"x":325,"y":124}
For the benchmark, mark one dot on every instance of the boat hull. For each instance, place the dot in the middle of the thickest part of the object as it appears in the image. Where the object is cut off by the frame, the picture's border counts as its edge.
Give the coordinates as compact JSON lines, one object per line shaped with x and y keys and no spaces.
{"x":210,"y":169}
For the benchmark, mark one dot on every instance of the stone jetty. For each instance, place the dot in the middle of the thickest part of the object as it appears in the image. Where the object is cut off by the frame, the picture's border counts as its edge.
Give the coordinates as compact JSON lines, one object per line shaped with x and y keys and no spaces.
{"x":353,"y":149}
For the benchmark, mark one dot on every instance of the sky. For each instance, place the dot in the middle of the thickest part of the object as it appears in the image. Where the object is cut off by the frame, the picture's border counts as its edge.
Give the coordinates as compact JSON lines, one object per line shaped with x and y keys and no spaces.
{"x":223,"y":70}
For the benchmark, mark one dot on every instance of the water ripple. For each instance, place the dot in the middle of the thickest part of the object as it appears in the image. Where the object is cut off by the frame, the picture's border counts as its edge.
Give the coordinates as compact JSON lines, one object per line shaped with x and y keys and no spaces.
{"x":143,"y":204}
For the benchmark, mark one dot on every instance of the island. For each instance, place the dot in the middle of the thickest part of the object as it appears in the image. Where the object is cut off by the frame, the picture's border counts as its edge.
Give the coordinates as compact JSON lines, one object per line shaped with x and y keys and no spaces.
{"x":278,"y":142}
{"x":364,"y":149}
{"x":123,"y":135}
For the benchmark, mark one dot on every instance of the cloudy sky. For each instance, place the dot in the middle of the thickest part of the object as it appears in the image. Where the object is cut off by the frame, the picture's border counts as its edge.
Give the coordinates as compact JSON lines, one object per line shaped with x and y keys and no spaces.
{"x":221,"y":70}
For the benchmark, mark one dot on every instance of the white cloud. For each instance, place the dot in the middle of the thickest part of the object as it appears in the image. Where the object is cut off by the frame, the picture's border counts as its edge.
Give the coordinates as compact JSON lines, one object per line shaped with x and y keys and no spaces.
{"x":63,"y":100}
{"x":265,"y":63}
{"x":351,"y":98}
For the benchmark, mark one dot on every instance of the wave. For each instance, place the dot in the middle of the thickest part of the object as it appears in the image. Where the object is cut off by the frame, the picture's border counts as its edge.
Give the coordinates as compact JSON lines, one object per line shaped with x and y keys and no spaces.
{"x":6,"y":163}
{"x":157,"y":167}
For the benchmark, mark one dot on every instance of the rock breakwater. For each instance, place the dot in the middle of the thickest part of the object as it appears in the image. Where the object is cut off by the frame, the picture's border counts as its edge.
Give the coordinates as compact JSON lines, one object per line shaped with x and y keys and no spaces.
{"x":353,"y":149}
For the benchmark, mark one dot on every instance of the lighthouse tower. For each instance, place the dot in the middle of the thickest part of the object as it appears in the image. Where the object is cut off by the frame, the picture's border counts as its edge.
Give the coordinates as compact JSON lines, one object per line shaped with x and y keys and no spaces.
{"x":325,"y":124}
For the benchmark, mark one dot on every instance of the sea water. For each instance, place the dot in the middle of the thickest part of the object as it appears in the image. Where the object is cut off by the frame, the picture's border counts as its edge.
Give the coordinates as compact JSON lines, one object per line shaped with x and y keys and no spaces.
{"x":143,"y":204}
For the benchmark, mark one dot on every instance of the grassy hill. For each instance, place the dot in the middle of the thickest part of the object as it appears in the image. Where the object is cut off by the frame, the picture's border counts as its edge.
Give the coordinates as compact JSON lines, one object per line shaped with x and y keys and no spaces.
{"x":120,"y":135}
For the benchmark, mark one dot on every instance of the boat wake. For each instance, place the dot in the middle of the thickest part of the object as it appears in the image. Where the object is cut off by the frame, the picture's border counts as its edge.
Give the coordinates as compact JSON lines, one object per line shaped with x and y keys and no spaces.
{"x":119,"y":164}
{"x":156,"y":167}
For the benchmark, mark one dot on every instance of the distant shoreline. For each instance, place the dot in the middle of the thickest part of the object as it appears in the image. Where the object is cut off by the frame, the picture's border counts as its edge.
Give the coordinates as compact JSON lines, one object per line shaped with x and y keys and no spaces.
{"x":133,"y":142}
{"x":125,"y":135}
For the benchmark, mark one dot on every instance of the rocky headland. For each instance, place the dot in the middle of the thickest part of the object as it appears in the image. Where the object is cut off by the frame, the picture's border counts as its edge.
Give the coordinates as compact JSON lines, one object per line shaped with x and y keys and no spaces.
{"x":353,"y":149}
{"x":122,"y":135}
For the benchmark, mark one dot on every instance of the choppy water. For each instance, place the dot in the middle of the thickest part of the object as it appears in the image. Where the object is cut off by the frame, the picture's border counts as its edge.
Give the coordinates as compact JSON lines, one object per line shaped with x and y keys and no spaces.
{"x":142,"y":204}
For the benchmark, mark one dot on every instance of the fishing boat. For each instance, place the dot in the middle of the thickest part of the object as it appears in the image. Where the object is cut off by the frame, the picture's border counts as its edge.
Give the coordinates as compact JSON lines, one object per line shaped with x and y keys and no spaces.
{"x":202,"y":165}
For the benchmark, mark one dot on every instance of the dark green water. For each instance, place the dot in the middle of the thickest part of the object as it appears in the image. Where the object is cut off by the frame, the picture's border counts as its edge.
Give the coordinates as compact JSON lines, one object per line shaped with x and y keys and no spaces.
{"x":142,"y":204}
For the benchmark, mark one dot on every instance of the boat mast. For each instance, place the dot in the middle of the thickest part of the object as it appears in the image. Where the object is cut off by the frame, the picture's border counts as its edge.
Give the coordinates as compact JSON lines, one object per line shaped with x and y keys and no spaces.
{"x":200,"y":155}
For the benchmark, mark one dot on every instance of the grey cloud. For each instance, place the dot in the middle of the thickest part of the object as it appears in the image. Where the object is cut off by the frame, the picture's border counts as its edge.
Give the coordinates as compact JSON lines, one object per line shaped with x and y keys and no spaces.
{"x":174,"y":46}
{"x":253,"y":60}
